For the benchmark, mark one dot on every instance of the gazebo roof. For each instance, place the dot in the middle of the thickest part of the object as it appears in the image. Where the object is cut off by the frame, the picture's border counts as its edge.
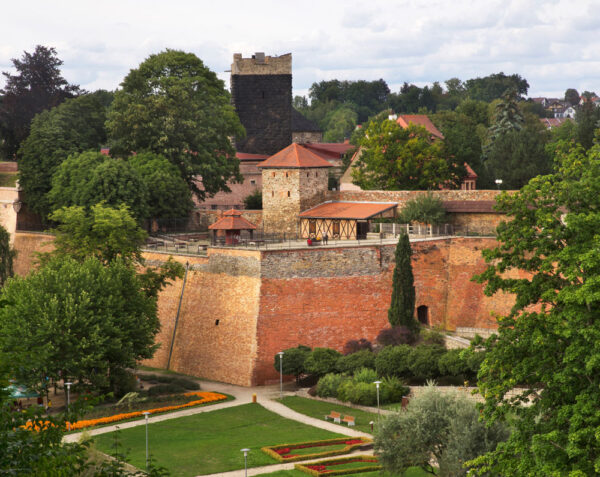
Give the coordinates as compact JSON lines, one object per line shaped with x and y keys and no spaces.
{"x":232,"y":220}
{"x":294,"y":157}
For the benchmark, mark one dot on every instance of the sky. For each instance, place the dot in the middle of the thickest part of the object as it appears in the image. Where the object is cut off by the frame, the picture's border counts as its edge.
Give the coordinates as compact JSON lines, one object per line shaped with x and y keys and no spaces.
{"x":555,"y":45}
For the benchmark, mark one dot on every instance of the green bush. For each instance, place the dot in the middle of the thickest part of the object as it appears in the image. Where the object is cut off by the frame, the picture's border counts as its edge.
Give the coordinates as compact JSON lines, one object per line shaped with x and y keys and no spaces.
{"x":392,"y":390}
{"x":425,"y":208}
{"x":451,"y":363}
{"x":473,"y":360}
{"x":322,"y":361}
{"x":186,"y":383}
{"x":424,"y":361}
{"x":294,"y":360}
{"x":346,"y":390}
{"x":350,"y":363}
{"x":431,"y":337}
{"x":253,"y":201}
{"x":122,"y":382}
{"x":165,"y":389}
{"x":329,"y":385}
{"x":365,"y":375}
{"x":393,"y":361}
{"x":364,"y":394}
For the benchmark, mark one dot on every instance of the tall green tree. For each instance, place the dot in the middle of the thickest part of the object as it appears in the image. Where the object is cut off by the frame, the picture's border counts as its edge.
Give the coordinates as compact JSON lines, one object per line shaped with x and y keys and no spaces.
{"x":587,"y":119}
{"x":89,"y":178}
{"x":7,"y":254}
{"x":546,"y":349}
{"x":495,"y":86}
{"x":572,"y":96}
{"x":37,"y":85}
{"x":507,"y":118}
{"x":402,"y":307}
{"x":74,"y":126}
{"x":175,"y":106}
{"x":395,"y":158}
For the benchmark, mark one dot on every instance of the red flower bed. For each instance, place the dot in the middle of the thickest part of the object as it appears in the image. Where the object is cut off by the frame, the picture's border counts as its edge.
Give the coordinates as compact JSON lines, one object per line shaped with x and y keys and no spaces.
{"x":325,"y":467}
{"x":283,"y":452}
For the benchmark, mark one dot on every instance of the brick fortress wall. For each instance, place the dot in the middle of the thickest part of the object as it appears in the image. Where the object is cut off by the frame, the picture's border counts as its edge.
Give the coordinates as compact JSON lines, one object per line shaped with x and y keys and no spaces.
{"x":262,"y":96}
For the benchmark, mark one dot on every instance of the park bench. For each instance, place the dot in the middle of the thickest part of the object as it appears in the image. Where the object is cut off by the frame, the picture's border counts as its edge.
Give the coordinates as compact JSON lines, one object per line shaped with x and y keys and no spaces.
{"x":349,"y":420}
{"x":335,"y":416}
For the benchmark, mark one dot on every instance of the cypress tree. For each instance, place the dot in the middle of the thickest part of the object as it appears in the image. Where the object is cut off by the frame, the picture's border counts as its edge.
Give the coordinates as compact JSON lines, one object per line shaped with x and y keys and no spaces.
{"x":6,"y":256}
{"x":402,"y":308}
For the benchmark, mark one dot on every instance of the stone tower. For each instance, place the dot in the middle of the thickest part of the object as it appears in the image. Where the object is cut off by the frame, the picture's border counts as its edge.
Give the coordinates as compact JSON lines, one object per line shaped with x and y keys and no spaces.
{"x":261,"y":91}
{"x":293,"y":180}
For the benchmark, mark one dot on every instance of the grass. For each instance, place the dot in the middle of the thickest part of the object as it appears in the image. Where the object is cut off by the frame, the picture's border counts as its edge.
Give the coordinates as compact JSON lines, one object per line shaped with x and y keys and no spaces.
{"x":210,"y":442}
{"x":8,"y":179}
{"x":412,"y":472}
{"x":319,"y":409}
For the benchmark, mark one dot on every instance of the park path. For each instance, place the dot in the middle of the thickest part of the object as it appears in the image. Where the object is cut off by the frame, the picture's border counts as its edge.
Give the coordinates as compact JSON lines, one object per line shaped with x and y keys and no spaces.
{"x":243,"y":395}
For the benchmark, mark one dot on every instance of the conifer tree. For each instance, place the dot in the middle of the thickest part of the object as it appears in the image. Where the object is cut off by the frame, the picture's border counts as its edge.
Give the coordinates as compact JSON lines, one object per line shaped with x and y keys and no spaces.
{"x":402,"y":308}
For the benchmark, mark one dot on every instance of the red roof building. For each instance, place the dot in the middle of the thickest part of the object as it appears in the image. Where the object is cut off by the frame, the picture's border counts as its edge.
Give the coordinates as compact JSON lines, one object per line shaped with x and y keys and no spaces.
{"x":419,"y":120}
{"x":294,"y":156}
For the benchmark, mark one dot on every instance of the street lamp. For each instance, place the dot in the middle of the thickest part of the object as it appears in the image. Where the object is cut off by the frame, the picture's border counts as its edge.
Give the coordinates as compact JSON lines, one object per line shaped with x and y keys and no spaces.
{"x":68,"y":385}
{"x":377,"y":383}
{"x":146,"y":414}
{"x":498,"y":183}
{"x":245,"y":451}
{"x":280,"y":374}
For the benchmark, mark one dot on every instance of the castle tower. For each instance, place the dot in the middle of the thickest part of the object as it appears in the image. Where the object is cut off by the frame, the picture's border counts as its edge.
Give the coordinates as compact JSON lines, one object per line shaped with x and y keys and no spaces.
{"x":293,"y":180}
{"x":261,"y":90}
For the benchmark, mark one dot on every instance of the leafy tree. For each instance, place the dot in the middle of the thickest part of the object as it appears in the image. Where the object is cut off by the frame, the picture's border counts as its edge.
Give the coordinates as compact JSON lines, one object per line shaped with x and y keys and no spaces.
{"x":101,"y":232}
{"x":175,"y":106}
{"x":7,"y":254}
{"x":548,"y":344}
{"x":443,"y":425}
{"x":74,"y":126}
{"x":38,"y":85}
{"x":402,"y":307}
{"x":89,"y":178}
{"x":495,"y":86}
{"x":300,"y":103}
{"x":168,"y":194}
{"x":77,"y":320}
{"x":476,"y":111}
{"x":587,"y":119}
{"x":322,"y":361}
{"x":254,"y":201}
{"x":395,"y":158}
{"x":425,"y":208}
{"x":507,"y":118}
{"x":339,"y":124}
{"x":572,"y":96}
{"x":294,"y":360}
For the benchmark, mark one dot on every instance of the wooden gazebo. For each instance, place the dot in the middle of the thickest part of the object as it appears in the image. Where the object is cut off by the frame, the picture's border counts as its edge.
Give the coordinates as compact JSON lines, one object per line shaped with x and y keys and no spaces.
{"x":232,"y":223}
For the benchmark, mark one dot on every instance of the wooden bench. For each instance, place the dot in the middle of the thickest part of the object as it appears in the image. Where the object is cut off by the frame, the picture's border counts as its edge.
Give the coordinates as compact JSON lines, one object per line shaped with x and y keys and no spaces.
{"x":349,"y":420}
{"x":335,"y":417}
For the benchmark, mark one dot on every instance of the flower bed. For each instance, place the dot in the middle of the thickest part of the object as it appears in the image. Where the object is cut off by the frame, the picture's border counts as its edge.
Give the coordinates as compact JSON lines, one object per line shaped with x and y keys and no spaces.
{"x":346,"y":465}
{"x":285,"y":452}
{"x":205,"y":397}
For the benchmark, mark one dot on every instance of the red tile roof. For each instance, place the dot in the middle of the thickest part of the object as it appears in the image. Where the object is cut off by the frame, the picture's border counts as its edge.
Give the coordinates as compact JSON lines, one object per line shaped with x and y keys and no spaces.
{"x":232,"y":220}
{"x":246,"y":156}
{"x":348,"y":210}
{"x":420,"y":120}
{"x":471,"y":174}
{"x":553,"y":122}
{"x":294,"y":156}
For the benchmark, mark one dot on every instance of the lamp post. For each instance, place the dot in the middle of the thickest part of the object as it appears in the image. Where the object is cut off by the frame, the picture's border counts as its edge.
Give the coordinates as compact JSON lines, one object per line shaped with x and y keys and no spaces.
{"x":146,"y":414}
{"x":280,"y":374}
{"x":68,"y":385}
{"x":245,"y":451}
{"x":498,"y":183}
{"x":377,"y":383}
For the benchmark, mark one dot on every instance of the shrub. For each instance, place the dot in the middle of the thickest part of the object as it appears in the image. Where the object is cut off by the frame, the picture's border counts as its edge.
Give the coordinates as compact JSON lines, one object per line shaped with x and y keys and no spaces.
{"x":186,"y":383}
{"x":122,"y":382}
{"x":346,"y":390}
{"x":253,"y":201}
{"x":322,"y":361}
{"x":350,"y":363}
{"x":393,"y":361}
{"x":395,"y":336}
{"x":165,"y":389}
{"x":354,"y":346}
{"x":432,"y":337}
{"x":365,"y":375}
{"x":363,"y":393}
{"x":424,"y":361}
{"x":392,"y":390}
{"x":425,"y":208}
{"x":329,"y":384}
{"x":473,"y":361}
{"x":451,"y":363}
{"x":294,"y":360}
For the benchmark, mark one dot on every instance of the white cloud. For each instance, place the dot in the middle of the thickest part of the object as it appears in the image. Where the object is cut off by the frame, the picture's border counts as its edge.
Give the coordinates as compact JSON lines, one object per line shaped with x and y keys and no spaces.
{"x":554,"y":44}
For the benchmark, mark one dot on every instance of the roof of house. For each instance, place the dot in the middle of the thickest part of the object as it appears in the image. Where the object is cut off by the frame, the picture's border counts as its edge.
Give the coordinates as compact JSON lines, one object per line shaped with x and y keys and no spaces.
{"x":470,"y":206}
{"x":471,"y":174}
{"x":553,"y":122}
{"x":293,"y":157}
{"x":232,"y":220}
{"x":420,"y":120}
{"x":332,"y":150}
{"x":347,"y":210}
{"x":246,"y":156}
{"x":303,"y":124}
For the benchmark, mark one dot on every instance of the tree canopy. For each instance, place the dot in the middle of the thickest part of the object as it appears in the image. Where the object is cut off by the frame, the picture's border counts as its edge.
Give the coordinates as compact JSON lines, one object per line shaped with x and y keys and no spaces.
{"x":89,"y":178}
{"x":548,"y":345}
{"x":74,"y":126}
{"x":395,"y":158}
{"x":175,"y":106}
{"x":495,"y":85}
{"x":37,"y":85}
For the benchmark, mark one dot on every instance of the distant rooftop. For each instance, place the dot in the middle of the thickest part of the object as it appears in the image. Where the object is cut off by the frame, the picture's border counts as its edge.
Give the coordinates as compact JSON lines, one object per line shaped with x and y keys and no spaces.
{"x":294,"y":156}
{"x":420,"y":120}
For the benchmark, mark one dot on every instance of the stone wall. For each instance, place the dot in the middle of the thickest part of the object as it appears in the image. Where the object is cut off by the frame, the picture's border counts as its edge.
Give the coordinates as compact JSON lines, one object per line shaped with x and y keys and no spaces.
{"x":401,"y":196}
{"x":28,"y":245}
{"x":302,"y":137}
{"x":8,"y":215}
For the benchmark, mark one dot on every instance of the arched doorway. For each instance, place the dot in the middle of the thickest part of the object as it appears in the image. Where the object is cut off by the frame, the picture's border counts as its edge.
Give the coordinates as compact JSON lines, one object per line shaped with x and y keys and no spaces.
{"x":423,"y":315}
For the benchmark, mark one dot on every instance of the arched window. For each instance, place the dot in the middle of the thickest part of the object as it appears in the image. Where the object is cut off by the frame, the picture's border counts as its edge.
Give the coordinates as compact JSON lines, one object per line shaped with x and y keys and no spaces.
{"x":423,"y":315}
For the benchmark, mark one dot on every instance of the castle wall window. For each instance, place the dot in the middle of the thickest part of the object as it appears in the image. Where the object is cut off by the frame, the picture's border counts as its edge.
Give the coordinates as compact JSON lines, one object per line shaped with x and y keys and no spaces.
{"x":273,"y":174}
{"x":272,"y":193}
{"x":286,"y":174}
{"x":253,"y":182}
{"x":288,"y":193}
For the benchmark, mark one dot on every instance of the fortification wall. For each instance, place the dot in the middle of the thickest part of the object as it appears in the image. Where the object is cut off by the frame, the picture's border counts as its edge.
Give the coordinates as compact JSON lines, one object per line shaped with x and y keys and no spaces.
{"x":401,"y":196}
{"x":28,"y":245}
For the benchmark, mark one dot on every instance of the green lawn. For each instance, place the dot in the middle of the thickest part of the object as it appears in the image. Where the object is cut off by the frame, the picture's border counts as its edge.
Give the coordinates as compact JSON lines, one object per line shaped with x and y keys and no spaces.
{"x":319,"y":409}
{"x":8,"y":179}
{"x":412,"y":472}
{"x":210,"y":442}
